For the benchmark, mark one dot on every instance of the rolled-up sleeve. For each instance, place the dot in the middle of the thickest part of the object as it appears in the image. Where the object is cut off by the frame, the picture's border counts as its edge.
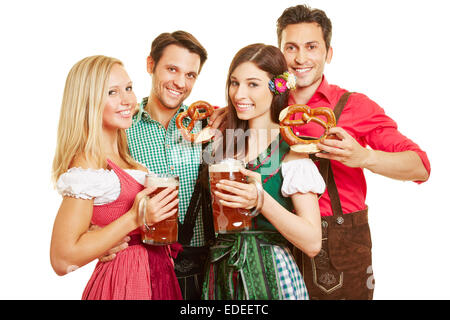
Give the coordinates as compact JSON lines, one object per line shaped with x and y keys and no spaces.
{"x":374,"y":128}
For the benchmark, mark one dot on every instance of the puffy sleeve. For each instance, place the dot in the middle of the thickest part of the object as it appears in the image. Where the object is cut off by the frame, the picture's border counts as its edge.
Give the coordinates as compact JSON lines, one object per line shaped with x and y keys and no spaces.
{"x":87,"y":184}
{"x":301,"y":175}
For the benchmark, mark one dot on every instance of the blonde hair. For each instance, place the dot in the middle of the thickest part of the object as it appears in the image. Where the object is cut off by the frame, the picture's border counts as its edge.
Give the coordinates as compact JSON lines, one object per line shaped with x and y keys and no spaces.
{"x":81,"y":118}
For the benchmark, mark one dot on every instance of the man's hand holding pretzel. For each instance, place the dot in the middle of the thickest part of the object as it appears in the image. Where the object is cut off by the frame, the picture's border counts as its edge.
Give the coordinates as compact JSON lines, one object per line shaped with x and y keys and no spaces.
{"x":344,"y":149}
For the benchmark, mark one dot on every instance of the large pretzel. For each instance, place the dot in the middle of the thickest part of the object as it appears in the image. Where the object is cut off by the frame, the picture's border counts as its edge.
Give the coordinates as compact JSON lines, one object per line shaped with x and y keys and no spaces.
{"x":299,"y":144}
{"x":194,"y":113}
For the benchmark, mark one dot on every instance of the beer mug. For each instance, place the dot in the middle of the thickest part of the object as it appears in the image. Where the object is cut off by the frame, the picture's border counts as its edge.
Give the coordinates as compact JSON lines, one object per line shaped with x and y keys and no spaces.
{"x":166,"y":231}
{"x":227,"y":219}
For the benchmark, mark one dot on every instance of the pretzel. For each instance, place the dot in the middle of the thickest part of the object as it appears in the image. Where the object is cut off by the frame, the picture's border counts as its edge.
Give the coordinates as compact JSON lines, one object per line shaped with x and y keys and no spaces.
{"x":195,"y":115}
{"x":300,"y":144}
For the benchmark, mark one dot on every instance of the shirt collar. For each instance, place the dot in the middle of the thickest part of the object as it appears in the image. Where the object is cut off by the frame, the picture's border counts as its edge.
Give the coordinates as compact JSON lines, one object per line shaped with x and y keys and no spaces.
{"x":144,"y":115}
{"x":322,"y":92}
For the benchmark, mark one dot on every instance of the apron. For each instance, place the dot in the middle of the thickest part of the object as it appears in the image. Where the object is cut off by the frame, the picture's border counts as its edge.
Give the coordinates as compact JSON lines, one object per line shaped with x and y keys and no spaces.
{"x":343,"y":267}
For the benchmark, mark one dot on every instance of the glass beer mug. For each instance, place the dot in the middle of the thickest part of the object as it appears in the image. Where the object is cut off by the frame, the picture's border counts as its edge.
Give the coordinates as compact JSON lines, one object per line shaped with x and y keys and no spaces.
{"x":227,"y":219}
{"x":166,"y":231}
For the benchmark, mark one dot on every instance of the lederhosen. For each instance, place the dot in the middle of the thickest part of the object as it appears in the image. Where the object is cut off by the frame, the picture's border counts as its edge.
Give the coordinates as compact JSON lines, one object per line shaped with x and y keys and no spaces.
{"x":343,"y":267}
{"x":191,"y":262}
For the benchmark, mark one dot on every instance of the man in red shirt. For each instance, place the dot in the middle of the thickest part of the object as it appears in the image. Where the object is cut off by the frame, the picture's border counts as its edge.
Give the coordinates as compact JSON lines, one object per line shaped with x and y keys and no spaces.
{"x":342,"y":269}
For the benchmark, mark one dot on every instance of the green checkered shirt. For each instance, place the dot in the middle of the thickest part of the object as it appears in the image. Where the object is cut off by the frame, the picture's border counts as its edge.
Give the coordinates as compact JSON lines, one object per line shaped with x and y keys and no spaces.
{"x":165,"y":151}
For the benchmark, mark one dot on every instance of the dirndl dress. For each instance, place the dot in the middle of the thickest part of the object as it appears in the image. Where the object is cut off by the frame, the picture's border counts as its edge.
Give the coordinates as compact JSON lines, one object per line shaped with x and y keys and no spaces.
{"x":258,"y":264}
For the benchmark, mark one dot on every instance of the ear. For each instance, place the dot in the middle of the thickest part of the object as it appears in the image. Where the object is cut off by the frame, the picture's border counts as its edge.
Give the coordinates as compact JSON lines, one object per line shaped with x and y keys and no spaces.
{"x":150,"y":65}
{"x":329,"y":54}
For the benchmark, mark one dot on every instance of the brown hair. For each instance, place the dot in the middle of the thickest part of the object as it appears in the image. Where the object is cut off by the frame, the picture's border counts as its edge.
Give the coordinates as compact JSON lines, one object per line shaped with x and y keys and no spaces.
{"x":269,"y":59}
{"x":304,"y":14}
{"x":180,"y":38}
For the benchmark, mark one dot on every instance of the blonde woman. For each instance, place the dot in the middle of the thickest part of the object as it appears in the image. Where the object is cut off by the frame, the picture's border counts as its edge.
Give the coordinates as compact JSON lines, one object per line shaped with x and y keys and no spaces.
{"x":101,"y":184}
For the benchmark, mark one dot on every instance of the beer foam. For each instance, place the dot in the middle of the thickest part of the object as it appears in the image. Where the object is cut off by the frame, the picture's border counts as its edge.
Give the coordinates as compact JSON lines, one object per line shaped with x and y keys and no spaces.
{"x":162,"y":182}
{"x":228,"y":165}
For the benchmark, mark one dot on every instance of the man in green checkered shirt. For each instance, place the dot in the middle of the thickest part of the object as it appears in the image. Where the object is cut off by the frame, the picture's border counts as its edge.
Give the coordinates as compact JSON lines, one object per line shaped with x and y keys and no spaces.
{"x":163,"y":150}
{"x":174,"y":63}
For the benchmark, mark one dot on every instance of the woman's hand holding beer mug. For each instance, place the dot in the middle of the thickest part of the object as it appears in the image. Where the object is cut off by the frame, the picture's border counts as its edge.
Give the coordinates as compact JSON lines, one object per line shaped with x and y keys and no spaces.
{"x":236,"y":195}
{"x":158,"y":207}
{"x":242,"y":195}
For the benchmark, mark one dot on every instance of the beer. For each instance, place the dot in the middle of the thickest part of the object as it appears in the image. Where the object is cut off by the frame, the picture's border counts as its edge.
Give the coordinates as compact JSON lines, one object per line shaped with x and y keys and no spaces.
{"x":227,"y":219}
{"x":166,"y":231}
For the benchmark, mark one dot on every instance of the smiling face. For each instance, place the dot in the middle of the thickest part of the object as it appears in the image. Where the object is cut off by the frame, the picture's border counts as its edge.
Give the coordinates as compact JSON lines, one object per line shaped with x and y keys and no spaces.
{"x":174,"y":76}
{"x":249,"y":92}
{"x":305,"y":52}
{"x":120,"y":100}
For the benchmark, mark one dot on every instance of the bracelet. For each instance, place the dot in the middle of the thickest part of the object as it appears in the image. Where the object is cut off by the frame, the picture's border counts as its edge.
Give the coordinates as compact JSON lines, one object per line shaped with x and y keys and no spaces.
{"x":260,"y":199}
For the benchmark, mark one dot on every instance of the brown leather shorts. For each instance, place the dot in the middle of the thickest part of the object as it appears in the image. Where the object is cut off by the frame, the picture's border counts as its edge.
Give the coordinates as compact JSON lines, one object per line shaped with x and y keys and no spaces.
{"x":343,"y":267}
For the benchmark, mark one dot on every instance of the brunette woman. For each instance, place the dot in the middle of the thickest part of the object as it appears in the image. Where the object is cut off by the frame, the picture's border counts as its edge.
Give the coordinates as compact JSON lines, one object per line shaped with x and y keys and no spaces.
{"x":258,"y":264}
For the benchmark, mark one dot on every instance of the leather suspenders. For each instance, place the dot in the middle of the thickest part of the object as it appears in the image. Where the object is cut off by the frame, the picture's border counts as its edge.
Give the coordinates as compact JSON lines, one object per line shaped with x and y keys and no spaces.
{"x":326,"y":171}
{"x":200,"y":202}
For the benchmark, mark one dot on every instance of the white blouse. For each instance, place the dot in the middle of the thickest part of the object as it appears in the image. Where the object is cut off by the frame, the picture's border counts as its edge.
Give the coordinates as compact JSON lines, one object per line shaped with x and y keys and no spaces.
{"x":99,"y":184}
{"x":103,"y":185}
{"x":301,"y":175}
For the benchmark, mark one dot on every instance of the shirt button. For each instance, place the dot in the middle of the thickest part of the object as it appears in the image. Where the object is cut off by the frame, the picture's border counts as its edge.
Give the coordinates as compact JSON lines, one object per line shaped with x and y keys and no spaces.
{"x":171,"y":168}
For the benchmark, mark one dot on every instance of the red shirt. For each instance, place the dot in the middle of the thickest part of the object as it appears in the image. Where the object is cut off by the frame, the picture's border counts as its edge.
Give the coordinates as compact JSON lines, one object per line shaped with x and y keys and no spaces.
{"x":365,"y":121}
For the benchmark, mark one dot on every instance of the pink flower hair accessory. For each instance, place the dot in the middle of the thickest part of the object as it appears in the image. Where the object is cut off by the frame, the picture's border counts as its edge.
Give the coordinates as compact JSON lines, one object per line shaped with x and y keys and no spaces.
{"x":280,"y":84}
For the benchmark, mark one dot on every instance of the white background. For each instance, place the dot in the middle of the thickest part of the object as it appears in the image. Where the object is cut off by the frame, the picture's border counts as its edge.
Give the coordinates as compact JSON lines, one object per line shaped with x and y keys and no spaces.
{"x":396,"y":52}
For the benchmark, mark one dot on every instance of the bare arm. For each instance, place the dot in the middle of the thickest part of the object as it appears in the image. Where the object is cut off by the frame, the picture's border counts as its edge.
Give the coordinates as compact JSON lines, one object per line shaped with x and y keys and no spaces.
{"x":302,"y":229}
{"x":405,"y":165}
{"x":112,"y":253}
{"x":73,"y":245}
